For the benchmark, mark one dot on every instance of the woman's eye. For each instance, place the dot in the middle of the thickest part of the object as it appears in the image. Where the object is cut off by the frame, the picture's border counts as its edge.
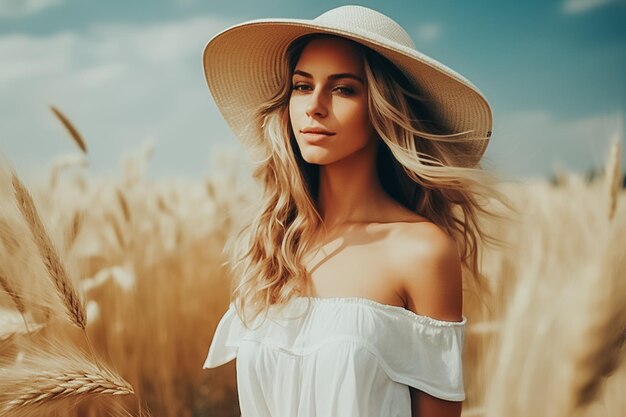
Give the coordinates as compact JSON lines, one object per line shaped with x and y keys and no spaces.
{"x":341,"y":89}
{"x":297,"y":87}
{"x":345,"y":90}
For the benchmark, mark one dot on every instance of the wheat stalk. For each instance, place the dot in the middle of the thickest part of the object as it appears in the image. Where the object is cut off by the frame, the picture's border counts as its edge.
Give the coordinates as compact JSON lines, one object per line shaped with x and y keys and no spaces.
{"x":6,"y":286}
{"x":210,"y":190}
{"x":70,"y":128}
{"x":7,"y":237}
{"x":119,"y":235}
{"x":473,"y":412}
{"x":163,"y":206}
{"x":13,"y":323}
{"x":77,"y":222}
{"x":70,"y":297}
{"x":613,"y":175}
{"x":600,"y":349}
{"x":63,"y":163}
{"x":123,"y":205}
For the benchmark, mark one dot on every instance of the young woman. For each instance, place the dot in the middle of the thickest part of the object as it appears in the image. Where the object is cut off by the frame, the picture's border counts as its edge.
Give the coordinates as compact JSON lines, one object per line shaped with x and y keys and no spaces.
{"x":369,"y":153}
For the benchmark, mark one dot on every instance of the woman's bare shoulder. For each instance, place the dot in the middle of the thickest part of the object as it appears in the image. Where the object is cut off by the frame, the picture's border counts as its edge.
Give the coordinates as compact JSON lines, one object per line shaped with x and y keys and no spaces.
{"x":412,"y":240}
{"x":427,"y":266}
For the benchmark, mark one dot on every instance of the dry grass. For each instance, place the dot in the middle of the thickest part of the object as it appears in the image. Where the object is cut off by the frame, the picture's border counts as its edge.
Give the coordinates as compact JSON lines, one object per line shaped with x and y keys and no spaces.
{"x":34,"y":378}
{"x":148,"y":258}
{"x":561,"y":309}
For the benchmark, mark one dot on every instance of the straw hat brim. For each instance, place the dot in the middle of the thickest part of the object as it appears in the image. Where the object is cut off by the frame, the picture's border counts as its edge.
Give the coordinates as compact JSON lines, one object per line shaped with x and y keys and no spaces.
{"x":243,"y":67}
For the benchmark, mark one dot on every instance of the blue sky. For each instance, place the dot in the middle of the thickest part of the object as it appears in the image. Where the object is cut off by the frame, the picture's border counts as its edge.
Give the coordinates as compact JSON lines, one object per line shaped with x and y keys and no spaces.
{"x":128,"y":73}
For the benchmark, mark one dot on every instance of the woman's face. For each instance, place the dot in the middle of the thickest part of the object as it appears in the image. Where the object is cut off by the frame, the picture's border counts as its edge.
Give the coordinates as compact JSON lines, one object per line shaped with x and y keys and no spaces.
{"x":329,"y":94}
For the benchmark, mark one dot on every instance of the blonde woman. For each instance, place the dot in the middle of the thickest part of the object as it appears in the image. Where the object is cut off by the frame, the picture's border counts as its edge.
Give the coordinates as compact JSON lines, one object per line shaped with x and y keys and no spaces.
{"x":347,"y":298}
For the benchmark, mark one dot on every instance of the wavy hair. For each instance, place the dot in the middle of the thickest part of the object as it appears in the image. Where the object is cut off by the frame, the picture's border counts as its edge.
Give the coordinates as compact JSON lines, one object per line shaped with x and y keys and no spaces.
{"x":416,"y":166}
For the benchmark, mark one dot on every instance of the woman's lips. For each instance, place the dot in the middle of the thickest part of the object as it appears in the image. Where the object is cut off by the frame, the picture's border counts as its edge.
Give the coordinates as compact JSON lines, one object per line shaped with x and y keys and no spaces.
{"x":312,"y":137}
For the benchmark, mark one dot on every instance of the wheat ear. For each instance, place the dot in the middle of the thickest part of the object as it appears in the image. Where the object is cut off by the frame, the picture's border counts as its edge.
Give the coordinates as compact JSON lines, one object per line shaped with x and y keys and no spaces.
{"x":70,"y":297}
{"x":51,"y":372}
{"x":70,"y":128}
{"x":47,"y":386}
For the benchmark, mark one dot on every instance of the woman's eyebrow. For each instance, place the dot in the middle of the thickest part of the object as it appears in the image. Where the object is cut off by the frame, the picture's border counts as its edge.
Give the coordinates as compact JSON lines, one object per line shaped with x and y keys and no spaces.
{"x":332,"y":76}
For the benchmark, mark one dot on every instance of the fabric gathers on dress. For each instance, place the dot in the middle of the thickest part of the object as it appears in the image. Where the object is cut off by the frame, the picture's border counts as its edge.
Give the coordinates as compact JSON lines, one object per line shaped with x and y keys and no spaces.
{"x":344,"y":357}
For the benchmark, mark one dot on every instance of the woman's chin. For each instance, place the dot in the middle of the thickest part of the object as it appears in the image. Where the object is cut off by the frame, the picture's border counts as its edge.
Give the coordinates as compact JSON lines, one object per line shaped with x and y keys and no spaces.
{"x":316,"y":157}
{"x":314,"y":160}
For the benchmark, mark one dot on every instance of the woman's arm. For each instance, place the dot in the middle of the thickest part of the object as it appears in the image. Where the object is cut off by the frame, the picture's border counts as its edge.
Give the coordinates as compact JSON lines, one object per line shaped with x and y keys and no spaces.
{"x":432,"y":286}
{"x":425,"y":405}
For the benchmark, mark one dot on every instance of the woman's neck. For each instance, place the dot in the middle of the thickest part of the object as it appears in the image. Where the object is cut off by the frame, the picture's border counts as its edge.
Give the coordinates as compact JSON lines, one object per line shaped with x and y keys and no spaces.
{"x":349,"y":189}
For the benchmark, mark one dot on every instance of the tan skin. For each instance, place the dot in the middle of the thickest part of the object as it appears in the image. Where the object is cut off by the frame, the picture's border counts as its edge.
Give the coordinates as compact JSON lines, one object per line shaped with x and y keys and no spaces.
{"x":374,"y":243}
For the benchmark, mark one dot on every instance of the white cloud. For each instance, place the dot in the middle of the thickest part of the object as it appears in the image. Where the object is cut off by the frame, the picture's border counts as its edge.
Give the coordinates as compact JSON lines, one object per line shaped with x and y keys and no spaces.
{"x":120,"y":85}
{"x":428,"y":32}
{"x":123,"y":84}
{"x":582,"y":6}
{"x":532,"y":143}
{"x":18,"y":8}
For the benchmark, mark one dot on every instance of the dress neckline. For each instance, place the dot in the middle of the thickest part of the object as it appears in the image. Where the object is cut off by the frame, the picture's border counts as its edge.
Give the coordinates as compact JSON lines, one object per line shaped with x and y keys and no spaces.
{"x":385,"y":307}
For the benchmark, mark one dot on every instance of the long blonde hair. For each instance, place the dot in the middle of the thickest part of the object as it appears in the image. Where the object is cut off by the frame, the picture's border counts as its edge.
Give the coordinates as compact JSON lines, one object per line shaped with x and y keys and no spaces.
{"x":418,"y":165}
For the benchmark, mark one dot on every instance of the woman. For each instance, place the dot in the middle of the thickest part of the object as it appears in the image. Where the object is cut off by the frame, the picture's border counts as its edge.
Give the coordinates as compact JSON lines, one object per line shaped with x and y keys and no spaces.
{"x":368,"y":153}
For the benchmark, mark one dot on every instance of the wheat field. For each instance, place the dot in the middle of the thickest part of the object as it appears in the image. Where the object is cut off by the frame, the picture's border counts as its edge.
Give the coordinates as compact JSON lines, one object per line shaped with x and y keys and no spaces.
{"x":111,"y":289}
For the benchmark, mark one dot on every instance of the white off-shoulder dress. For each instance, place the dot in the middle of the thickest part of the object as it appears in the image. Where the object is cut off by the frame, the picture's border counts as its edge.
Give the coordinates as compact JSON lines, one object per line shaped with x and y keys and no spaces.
{"x":344,"y":357}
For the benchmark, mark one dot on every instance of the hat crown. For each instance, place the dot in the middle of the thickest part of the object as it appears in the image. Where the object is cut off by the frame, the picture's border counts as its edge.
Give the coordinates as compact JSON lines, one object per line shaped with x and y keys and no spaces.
{"x":364,"y":19}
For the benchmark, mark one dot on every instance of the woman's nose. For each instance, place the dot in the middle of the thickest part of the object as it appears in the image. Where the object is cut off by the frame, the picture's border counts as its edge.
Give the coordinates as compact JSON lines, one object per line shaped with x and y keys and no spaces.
{"x":316,"y":106}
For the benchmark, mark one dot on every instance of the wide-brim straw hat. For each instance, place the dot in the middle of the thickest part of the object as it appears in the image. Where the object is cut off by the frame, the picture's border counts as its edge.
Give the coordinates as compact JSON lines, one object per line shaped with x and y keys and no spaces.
{"x":243,"y":66}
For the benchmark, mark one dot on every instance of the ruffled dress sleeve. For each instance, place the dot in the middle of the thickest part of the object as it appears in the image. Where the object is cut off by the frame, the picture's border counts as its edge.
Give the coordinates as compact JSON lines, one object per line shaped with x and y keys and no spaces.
{"x":226,"y":339}
{"x":427,"y":354}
